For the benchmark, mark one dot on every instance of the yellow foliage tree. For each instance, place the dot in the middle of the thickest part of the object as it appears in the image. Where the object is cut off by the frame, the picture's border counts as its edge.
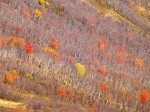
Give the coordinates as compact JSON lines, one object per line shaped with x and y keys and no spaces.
{"x":14,"y":71}
{"x":41,"y":1}
{"x":80,"y":69}
{"x":13,"y":40}
{"x":37,"y":13}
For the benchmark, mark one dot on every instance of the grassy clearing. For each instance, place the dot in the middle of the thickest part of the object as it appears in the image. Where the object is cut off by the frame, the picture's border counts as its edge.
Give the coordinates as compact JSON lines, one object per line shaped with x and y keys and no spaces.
{"x":11,"y":104}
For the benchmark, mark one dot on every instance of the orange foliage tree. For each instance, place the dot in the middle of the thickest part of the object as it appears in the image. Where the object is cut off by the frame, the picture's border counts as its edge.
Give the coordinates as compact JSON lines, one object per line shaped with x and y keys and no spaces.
{"x":95,"y":58}
{"x":104,"y":86}
{"x":13,"y":40}
{"x":62,"y":6}
{"x":43,"y":9}
{"x":9,"y":78}
{"x":92,"y":108}
{"x":143,"y":96}
{"x":54,"y":43}
{"x":123,"y":93}
{"x":62,"y":92}
{"x":53,"y":52}
{"x":20,"y":41}
{"x":102,"y":70}
{"x":101,"y":44}
{"x":92,"y":31}
{"x":56,"y":55}
{"x":26,"y":13}
{"x":3,"y":41}
{"x":138,"y":62}
{"x":58,"y":24}
{"x":19,"y":28}
{"x":92,"y":20}
{"x":71,"y":59}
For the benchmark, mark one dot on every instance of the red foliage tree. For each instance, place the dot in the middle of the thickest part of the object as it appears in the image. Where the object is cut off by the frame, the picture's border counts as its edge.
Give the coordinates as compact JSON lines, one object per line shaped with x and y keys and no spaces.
{"x":62,"y":92}
{"x":28,"y":47}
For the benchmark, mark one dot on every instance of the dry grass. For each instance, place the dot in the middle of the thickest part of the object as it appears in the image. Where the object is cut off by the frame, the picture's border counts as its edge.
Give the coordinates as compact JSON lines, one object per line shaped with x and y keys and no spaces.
{"x":11,"y":104}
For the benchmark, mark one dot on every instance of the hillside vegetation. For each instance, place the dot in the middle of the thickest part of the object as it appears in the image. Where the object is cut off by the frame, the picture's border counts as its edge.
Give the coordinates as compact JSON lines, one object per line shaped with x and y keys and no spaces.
{"x":74,"y":56}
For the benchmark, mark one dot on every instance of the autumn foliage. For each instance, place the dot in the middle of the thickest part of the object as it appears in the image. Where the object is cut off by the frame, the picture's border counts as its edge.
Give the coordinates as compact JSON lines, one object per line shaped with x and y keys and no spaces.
{"x":37,"y":13}
{"x":53,"y":52}
{"x":9,"y":77}
{"x":62,"y":92}
{"x":103,"y":86}
{"x":92,"y":30}
{"x":92,"y":108}
{"x":3,"y":41}
{"x":123,"y":93}
{"x":101,"y":44}
{"x":13,"y":40}
{"x":67,"y":51}
{"x":14,"y":72}
{"x":92,"y":20}
{"x":102,"y":70}
{"x":54,"y":43}
{"x":80,"y":69}
{"x":26,"y":13}
{"x":138,"y":62}
{"x":20,"y":41}
{"x":143,"y":96}
{"x":17,"y":41}
{"x":28,"y":47}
